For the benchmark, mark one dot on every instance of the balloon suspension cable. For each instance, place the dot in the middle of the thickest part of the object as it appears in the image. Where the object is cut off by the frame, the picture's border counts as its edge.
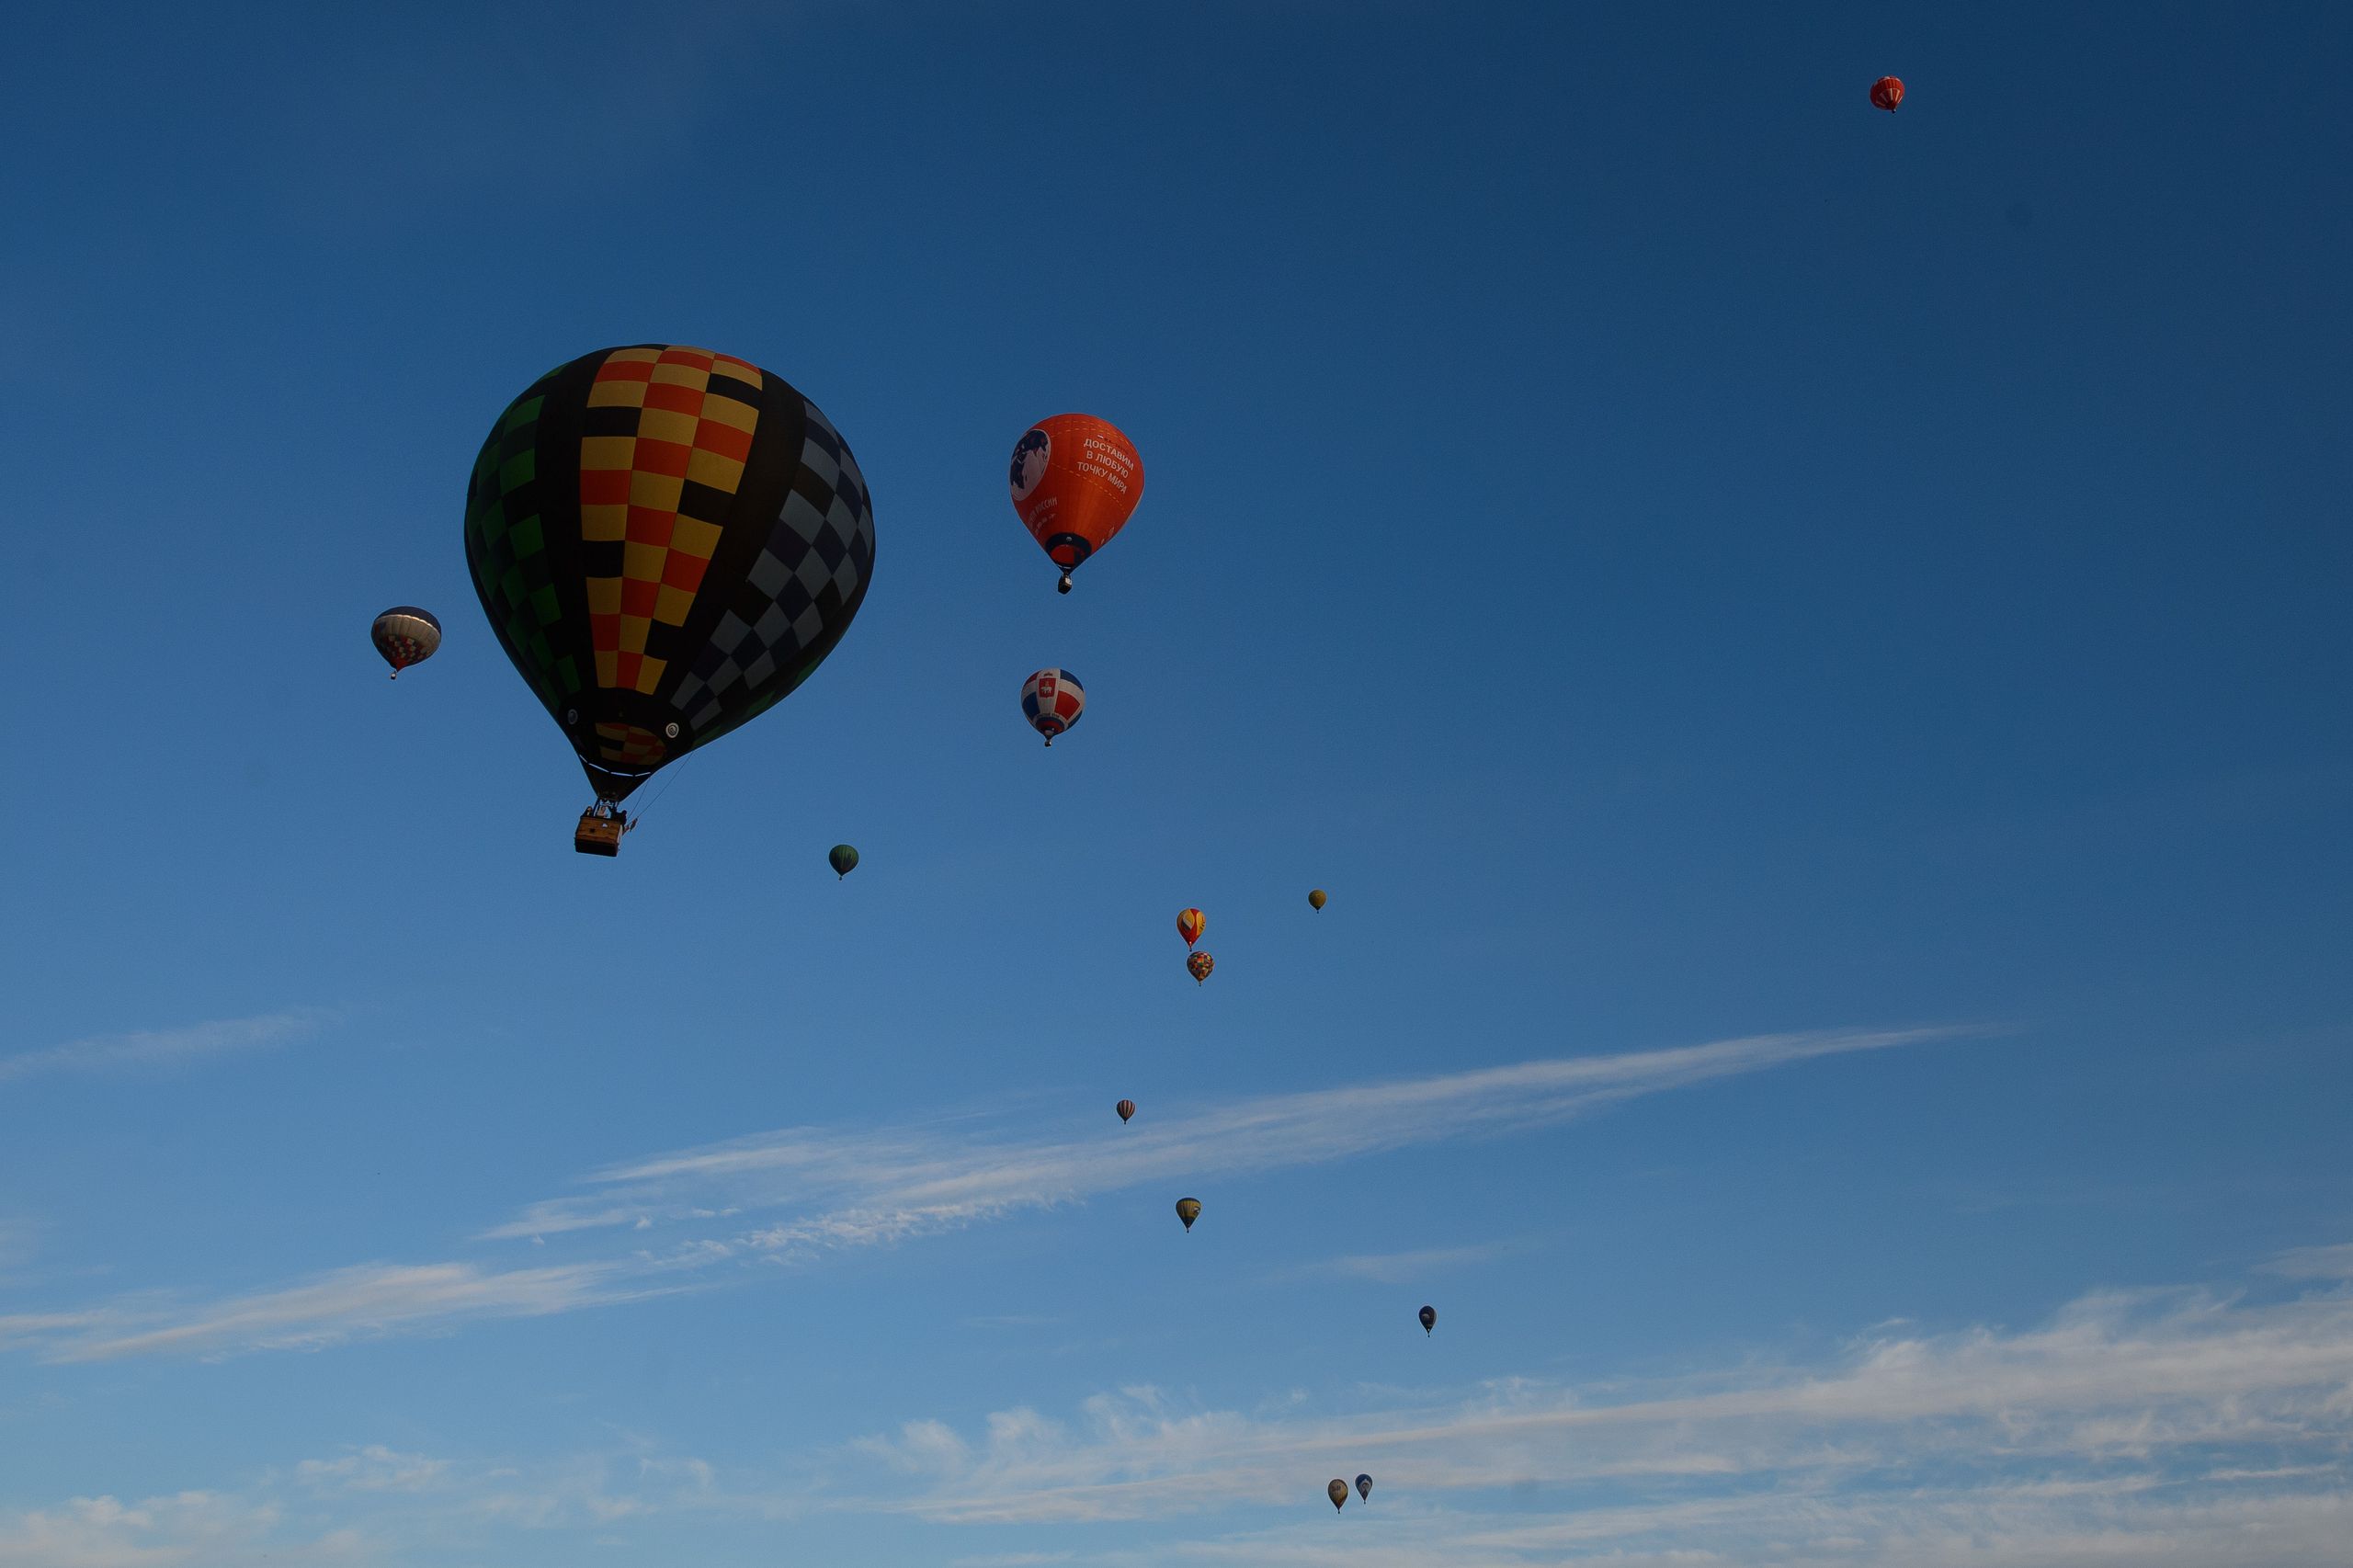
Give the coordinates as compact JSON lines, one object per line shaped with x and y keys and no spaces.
{"x":639,"y":819}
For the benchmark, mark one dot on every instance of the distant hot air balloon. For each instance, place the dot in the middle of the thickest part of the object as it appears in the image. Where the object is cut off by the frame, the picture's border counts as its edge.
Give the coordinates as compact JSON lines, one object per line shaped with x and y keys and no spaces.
{"x":1337,"y":1492}
{"x":1887,"y":93}
{"x":1429,"y":1320}
{"x":1075,"y":481}
{"x":1052,"y":702}
{"x":1364,"y":1487}
{"x":1199,"y":965}
{"x":1190,"y":924}
{"x":843,"y":859}
{"x":667,"y":542}
{"x":405,"y":635}
{"x":1315,"y":898}
{"x":1125,"y":1108}
{"x":1189,"y":1209}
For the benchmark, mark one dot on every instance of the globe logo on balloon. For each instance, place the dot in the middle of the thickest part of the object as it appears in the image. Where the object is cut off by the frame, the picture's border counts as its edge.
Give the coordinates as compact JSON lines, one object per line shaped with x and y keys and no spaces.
{"x":1030,"y":463}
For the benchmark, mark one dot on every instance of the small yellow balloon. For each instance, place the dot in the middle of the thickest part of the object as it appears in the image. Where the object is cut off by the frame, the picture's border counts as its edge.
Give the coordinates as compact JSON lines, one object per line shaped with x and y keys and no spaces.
{"x":1316,"y":899}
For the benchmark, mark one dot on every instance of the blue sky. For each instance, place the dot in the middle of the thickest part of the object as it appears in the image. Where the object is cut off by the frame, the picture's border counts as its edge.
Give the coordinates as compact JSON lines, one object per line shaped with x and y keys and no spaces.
{"x":1807,"y":646}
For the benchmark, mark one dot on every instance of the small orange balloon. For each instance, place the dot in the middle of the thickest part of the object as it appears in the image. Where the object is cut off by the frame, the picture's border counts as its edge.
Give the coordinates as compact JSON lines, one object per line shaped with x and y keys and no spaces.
{"x":1887,"y":93}
{"x":1190,"y":923}
{"x":1315,"y":898}
{"x":1076,"y":481}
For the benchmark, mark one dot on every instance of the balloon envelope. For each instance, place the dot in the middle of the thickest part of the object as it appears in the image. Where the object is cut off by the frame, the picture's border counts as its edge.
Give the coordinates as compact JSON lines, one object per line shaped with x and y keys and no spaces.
{"x":1887,"y":93}
{"x":1315,"y":898}
{"x":667,"y":542}
{"x":843,"y":859}
{"x":1075,"y":481}
{"x":1125,"y":1108}
{"x":405,"y":635}
{"x":1198,"y":965}
{"x":1364,"y":1487}
{"x":1429,"y":1320}
{"x":1052,"y":702}
{"x":1189,"y":1209}
{"x":1337,"y":1492}
{"x":1190,"y":923}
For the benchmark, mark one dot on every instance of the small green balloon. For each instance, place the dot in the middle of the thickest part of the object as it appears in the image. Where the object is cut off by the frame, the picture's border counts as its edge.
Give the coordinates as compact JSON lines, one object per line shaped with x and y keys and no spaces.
{"x":844,"y":860}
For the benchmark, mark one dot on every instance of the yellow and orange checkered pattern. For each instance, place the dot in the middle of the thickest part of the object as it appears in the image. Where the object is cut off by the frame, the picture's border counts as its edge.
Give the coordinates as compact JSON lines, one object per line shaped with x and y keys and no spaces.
{"x":630,"y":489}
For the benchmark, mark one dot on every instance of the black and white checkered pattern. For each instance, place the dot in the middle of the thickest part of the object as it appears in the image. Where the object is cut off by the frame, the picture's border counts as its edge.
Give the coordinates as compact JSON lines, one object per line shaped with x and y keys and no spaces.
{"x":798,"y":594}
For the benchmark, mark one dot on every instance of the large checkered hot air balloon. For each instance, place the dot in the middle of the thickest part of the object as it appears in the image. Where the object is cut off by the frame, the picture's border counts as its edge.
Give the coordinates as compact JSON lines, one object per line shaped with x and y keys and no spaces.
{"x":667,"y":542}
{"x":1076,"y":481}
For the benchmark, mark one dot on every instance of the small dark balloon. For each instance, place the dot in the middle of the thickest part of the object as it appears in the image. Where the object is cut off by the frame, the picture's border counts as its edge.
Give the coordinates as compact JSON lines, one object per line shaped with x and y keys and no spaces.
{"x":843,"y":859}
{"x":1364,"y":1487}
{"x":1125,"y":1108}
{"x":1315,"y":898}
{"x":1337,"y":1492}
{"x":1429,"y":1320}
{"x":1189,"y":1209}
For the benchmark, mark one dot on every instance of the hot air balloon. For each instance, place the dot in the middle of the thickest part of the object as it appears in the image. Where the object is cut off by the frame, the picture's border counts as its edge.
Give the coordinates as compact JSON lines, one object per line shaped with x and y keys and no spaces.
{"x":1429,"y":1320}
{"x":1125,"y":1108}
{"x":1190,"y":924}
{"x":1337,"y":1492}
{"x":1189,"y":1209}
{"x":1887,"y":93}
{"x":667,"y":542}
{"x":1052,"y":702}
{"x":1075,"y":480}
{"x":843,"y":857}
{"x":1364,"y":1487}
{"x":1198,"y":965}
{"x":1315,"y":898}
{"x":405,"y":635}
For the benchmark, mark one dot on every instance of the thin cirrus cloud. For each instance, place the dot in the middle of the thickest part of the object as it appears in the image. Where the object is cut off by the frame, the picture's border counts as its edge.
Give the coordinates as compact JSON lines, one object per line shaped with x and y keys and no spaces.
{"x":864,"y":1187}
{"x":803,"y":1192}
{"x":2173,"y":1427}
{"x":155,"y":1050}
{"x":2162,"y":1425}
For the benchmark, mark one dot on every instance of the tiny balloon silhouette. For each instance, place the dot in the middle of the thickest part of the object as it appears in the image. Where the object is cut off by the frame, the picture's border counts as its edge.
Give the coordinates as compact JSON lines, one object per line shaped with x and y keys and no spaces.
{"x":1189,"y":1209}
{"x":1429,"y":1320}
{"x":1125,"y":1108}
{"x":1364,"y":1487}
{"x":843,"y":859}
{"x":1315,"y":898}
{"x":1337,"y":1492}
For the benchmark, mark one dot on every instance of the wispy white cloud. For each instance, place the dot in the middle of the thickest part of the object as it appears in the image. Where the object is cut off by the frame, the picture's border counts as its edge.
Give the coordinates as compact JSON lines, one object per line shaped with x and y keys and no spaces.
{"x":2176,"y":1428}
{"x":2185,"y":1388}
{"x":1400,"y":1268}
{"x":799,"y":1193}
{"x":886,"y":1185}
{"x":157,"y":1050}
{"x":189,"y":1529}
{"x":365,"y":1300}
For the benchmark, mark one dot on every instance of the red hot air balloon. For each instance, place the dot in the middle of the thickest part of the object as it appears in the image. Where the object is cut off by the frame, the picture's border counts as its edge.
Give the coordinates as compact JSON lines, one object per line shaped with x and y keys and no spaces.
{"x":1075,"y":481}
{"x":1190,"y":924}
{"x":1887,"y":91}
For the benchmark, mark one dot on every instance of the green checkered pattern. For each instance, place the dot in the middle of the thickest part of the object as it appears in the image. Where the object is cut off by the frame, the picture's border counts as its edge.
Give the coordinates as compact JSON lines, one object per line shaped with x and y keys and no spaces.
{"x":507,"y":547}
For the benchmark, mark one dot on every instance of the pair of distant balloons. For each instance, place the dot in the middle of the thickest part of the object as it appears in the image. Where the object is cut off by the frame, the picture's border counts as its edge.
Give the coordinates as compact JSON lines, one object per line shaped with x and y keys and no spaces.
{"x":1338,"y":1491}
